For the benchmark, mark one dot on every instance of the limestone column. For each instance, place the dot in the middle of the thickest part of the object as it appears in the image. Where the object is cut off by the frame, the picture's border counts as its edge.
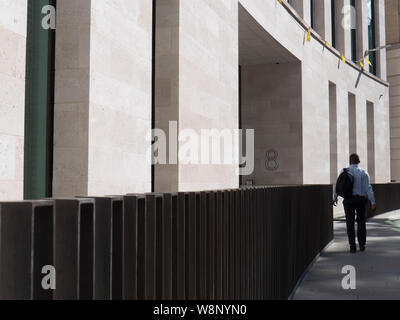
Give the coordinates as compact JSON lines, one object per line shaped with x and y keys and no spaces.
{"x":362,"y":30}
{"x":13,"y":25}
{"x":371,"y":140}
{"x":342,"y":135}
{"x":380,"y":31}
{"x":303,"y":8}
{"x":392,"y":20}
{"x":393,"y":76}
{"x":103,"y":93}
{"x":382,"y":137}
{"x":323,"y":19}
{"x":343,"y":31}
{"x":197,"y":84}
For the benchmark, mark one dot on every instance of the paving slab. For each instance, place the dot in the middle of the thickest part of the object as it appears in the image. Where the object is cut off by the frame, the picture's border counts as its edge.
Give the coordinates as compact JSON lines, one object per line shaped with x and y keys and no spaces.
{"x":377,"y":270}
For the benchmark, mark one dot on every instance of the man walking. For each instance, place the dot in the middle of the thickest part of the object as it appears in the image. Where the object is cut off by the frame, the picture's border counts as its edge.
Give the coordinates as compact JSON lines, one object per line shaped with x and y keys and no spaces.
{"x":356,"y":201}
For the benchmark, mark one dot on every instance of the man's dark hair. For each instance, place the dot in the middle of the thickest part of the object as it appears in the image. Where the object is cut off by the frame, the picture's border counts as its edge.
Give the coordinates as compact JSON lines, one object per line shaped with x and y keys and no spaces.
{"x":354,"y":159}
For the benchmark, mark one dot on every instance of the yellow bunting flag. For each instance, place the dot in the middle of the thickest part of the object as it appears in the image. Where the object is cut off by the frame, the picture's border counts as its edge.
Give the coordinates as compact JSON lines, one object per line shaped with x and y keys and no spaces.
{"x":361,"y":64}
{"x":280,"y":1}
{"x":309,"y":35}
{"x":369,"y":62}
{"x":343,"y":59}
{"x":327,"y":44}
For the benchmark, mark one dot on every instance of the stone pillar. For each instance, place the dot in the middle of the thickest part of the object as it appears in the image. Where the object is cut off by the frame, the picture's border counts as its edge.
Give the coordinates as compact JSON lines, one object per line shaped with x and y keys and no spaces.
{"x":303,"y":8}
{"x":371,"y":140}
{"x":315,"y":128}
{"x":342,"y":136}
{"x":393,"y":76}
{"x":362,"y":30}
{"x":392,"y":19}
{"x":323,"y":19}
{"x":333,"y":124}
{"x":380,"y":31}
{"x":343,"y":33}
{"x":13,"y":24}
{"x":382,"y":137}
{"x":103,"y":91}
{"x":198,"y":76}
{"x":394,"y":79}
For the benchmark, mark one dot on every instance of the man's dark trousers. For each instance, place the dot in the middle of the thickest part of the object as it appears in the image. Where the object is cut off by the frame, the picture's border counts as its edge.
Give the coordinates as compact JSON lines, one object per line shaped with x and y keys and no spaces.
{"x":351,"y":206}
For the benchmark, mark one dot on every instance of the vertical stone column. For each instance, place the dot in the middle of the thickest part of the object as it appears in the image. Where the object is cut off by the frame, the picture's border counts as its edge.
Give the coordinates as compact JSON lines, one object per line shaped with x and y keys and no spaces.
{"x":333,"y":133}
{"x":197,"y":84}
{"x":323,"y":19}
{"x":392,"y":19}
{"x":371,"y":140}
{"x":102,"y":97}
{"x":362,"y":30}
{"x":382,"y":137}
{"x":13,"y":24}
{"x":303,"y":8}
{"x":393,"y":76}
{"x":343,"y":34}
{"x":208,"y":84}
{"x":343,"y":146}
{"x":315,"y":124}
{"x":72,"y":98}
{"x":380,"y":31}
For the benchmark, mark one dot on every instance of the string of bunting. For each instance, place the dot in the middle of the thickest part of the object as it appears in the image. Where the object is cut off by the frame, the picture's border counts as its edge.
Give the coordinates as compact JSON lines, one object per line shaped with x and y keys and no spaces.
{"x":327,"y":44}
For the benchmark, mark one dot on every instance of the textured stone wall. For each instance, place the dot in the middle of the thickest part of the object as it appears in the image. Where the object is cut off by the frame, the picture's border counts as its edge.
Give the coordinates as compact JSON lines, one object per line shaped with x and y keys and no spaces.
{"x":102,"y":97}
{"x":208,"y":77}
{"x":319,"y":67}
{"x":394,"y":78}
{"x":393,"y":70}
{"x":197,"y":83}
{"x":13,"y":22}
{"x":272,"y":105}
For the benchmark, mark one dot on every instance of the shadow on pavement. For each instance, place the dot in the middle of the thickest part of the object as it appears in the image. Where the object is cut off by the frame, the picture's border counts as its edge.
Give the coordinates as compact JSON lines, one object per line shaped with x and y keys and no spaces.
{"x":377,"y":269}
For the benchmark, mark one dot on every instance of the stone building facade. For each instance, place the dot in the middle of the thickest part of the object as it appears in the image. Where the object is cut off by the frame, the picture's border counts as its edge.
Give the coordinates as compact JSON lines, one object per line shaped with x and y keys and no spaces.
{"x":290,"y":70}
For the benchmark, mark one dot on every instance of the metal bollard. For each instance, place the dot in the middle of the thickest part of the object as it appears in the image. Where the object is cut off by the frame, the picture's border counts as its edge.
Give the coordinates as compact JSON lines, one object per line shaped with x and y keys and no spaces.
{"x":74,"y":249}
{"x":26,"y":230}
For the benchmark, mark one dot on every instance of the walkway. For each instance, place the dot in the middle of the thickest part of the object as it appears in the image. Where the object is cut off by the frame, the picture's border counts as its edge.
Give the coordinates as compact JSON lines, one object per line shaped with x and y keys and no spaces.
{"x":377,"y":269}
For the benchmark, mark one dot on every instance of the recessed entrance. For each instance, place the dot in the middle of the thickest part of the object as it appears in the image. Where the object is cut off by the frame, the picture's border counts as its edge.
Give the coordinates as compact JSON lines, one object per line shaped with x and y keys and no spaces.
{"x":271,"y":104}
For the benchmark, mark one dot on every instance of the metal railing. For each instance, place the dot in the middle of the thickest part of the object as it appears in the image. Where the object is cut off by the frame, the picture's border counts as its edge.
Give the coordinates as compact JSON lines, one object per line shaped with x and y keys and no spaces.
{"x":251,"y":243}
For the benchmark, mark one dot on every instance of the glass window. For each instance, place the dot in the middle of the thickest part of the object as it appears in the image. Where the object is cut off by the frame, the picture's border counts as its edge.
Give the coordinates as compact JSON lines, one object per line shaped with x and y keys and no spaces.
{"x":312,"y":8}
{"x":39,"y":104}
{"x":333,"y":17}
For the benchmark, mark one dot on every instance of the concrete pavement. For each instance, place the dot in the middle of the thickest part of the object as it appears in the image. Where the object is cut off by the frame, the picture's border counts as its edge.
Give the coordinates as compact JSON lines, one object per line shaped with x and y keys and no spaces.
{"x":377,"y":269}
